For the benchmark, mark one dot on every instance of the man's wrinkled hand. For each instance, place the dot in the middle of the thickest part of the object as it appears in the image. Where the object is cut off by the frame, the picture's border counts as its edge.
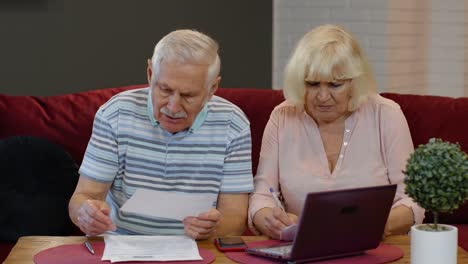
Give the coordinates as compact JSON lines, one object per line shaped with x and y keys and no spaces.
{"x":93,"y":217}
{"x":202,"y":226}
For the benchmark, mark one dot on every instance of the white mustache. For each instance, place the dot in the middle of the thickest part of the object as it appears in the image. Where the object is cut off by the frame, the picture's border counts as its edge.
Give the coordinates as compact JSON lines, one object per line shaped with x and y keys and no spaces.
{"x":180,"y":114}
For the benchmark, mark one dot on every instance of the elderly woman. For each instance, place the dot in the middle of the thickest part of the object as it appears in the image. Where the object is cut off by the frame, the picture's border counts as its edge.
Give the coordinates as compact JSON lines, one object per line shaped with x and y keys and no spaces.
{"x":333,"y":132}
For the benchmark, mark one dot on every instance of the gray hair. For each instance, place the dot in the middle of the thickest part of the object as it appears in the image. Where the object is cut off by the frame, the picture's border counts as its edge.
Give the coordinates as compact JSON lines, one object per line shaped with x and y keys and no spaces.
{"x":328,"y":53}
{"x":188,"y":46}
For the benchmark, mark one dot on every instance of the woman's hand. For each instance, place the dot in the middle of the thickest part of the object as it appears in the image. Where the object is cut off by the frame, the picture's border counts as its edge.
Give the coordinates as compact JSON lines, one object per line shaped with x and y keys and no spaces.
{"x":399,"y":221}
{"x":270,"y":221}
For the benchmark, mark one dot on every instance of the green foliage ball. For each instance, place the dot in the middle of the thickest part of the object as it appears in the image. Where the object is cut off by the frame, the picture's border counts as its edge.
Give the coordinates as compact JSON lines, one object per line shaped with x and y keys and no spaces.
{"x":437,"y":176}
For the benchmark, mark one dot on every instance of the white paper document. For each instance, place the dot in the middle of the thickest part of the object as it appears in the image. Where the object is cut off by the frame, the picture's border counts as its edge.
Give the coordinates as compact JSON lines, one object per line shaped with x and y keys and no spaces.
{"x":288,"y":233}
{"x":149,"y":248}
{"x":170,"y":205}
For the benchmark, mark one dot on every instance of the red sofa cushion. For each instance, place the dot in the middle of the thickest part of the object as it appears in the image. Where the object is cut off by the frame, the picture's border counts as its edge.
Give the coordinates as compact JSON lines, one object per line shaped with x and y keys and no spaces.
{"x":434,"y":116}
{"x":63,"y":119}
{"x":437,"y":116}
{"x":463,"y":236}
{"x":67,"y":119}
{"x":258,"y":107}
{"x":5,"y":249}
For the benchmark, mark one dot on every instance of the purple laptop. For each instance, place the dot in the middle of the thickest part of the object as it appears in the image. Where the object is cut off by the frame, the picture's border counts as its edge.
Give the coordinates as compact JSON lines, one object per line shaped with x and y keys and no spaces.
{"x":336,"y":224}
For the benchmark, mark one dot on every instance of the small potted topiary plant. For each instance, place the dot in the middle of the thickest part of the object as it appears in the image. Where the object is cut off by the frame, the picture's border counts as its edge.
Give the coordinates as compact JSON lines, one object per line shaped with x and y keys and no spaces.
{"x":437,"y":179}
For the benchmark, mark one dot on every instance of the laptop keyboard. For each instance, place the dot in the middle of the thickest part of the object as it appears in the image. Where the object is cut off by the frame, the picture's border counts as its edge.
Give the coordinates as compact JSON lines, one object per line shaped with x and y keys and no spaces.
{"x":278,"y":251}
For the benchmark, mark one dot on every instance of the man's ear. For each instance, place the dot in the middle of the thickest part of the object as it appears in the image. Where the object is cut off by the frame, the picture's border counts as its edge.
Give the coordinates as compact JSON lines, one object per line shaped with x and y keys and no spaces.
{"x":149,"y":71}
{"x":215,"y":85}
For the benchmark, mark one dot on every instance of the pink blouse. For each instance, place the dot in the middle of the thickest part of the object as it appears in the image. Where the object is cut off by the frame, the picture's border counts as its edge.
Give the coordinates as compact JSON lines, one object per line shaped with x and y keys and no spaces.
{"x":376,"y":145}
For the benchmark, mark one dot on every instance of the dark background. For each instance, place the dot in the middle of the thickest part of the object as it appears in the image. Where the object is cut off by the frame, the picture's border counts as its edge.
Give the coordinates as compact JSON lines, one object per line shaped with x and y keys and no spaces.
{"x":50,"y":47}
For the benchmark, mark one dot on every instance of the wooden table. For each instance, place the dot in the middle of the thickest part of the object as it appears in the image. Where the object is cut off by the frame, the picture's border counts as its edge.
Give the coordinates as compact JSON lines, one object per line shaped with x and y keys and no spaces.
{"x":27,"y":247}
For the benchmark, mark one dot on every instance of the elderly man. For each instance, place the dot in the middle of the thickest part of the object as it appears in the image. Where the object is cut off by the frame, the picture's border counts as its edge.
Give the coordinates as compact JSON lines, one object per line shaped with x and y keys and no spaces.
{"x":174,"y":136}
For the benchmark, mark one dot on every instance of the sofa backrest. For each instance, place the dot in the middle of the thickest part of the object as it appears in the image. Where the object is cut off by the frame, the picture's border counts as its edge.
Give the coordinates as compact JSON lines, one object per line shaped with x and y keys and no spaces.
{"x":63,"y":119}
{"x":257,"y":104}
{"x":434,"y":116}
{"x":67,"y":119}
{"x":437,"y":116}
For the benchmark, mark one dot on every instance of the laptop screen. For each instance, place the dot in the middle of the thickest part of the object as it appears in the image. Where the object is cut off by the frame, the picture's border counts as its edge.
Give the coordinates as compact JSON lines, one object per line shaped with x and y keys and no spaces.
{"x":341,"y":222}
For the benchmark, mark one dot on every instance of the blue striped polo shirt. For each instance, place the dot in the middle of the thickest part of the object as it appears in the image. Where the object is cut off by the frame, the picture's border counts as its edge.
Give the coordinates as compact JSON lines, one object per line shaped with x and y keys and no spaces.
{"x":129,"y":148}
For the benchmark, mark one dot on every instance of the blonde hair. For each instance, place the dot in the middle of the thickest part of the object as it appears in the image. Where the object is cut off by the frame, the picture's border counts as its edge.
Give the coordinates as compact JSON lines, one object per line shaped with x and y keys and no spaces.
{"x":188,"y":46}
{"x":328,"y":53}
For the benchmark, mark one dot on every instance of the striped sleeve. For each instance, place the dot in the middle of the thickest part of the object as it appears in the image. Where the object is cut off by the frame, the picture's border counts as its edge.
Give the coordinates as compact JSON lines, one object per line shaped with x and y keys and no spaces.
{"x":237,"y":171}
{"x":100,"y":161}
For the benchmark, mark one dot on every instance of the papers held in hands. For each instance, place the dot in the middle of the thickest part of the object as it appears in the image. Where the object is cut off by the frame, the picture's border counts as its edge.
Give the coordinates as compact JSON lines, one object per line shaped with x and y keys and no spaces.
{"x":149,"y":248}
{"x":168,"y":205}
{"x":158,"y":204}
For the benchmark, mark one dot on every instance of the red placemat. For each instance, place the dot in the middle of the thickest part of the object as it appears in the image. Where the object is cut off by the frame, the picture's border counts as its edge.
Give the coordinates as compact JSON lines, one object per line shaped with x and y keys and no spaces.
{"x":382,"y":254}
{"x":77,"y":253}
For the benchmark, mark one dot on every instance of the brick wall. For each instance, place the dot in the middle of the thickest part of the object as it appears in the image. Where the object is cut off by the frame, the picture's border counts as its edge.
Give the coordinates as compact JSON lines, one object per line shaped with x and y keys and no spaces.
{"x":414,"y":46}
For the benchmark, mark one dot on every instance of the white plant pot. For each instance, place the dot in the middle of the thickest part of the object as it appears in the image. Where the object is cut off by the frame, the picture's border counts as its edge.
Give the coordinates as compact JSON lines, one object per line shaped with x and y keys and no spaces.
{"x":429,"y":247}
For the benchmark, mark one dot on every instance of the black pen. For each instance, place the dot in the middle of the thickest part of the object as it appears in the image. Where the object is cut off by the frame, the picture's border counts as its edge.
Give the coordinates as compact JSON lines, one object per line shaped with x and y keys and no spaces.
{"x":89,"y":247}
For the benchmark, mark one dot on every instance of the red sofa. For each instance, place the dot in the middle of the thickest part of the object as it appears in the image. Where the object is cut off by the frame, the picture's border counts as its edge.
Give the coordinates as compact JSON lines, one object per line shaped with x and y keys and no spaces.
{"x":67,"y":120}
